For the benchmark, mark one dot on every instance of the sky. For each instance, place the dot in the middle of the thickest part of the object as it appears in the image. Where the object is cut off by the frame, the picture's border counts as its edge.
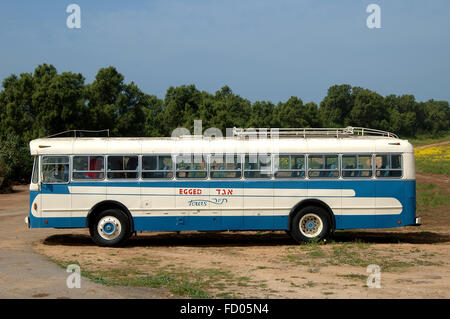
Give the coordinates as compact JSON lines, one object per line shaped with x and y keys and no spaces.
{"x":263,"y":50}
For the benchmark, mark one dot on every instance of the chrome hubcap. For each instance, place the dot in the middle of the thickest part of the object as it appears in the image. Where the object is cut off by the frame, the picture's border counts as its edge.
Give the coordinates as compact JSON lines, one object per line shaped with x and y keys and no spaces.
{"x":109,"y":227}
{"x":310,"y":225}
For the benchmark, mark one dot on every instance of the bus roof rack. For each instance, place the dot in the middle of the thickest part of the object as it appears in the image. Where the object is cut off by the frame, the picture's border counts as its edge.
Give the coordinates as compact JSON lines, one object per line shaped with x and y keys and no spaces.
{"x":75,"y":132}
{"x":310,"y":132}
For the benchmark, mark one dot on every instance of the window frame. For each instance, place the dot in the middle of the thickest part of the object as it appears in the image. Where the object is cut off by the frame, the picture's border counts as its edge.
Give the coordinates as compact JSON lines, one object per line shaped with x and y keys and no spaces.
{"x":36,"y":170}
{"x":338,"y":169}
{"x":141,"y":171}
{"x":89,"y":179}
{"x":244,"y":170}
{"x":41,"y":173}
{"x":342,"y":169}
{"x":241,"y":170}
{"x":123,"y":171}
{"x":390,"y":169}
{"x":304,"y":170}
{"x":205,"y":156}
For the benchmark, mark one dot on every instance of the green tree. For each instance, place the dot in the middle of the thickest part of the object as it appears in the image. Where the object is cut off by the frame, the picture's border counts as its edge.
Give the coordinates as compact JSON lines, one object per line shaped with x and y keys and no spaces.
{"x":368,"y":110}
{"x":336,"y":106}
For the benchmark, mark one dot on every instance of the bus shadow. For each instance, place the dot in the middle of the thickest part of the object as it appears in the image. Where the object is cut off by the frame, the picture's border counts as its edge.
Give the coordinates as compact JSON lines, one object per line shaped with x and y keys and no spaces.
{"x":244,"y":239}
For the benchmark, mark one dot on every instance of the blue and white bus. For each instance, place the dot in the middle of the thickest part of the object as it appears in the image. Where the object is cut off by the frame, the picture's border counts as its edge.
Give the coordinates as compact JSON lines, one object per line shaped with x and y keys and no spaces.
{"x":308,"y":182}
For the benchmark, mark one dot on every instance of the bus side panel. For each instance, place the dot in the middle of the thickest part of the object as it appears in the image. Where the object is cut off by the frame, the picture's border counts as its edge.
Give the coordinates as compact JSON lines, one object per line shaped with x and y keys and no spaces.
{"x":258,"y":205}
{"x":389,"y":203}
{"x":85,"y":196}
{"x":287,"y":194}
{"x":56,"y":206}
{"x":358,"y":211}
{"x":409,"y":207}
{"x":231,"y":203}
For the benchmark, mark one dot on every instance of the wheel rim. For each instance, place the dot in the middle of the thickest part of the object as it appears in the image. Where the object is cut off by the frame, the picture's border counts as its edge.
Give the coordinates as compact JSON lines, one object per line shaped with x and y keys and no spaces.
{"x":109,"y":227}
{"x":311,"y":225}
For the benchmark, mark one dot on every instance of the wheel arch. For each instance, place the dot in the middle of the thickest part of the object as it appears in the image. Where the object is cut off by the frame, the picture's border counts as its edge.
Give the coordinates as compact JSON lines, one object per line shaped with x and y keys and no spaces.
{"x":108,"y":204}
{"x":312,"y":202}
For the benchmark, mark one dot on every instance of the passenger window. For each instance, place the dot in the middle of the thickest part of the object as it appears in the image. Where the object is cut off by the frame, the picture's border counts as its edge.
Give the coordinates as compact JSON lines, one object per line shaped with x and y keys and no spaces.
{"x":323,"y":166}
{"x":290,"y":166}
{"x":257,"y":166}
{"x":55,"y":169}
{"x":88,"y":167}
{"x":225,"y":166}
{"x":389,"y":165}
{"x":356,"y":166}
{"x":123,"y":167}
{"x":157,"y":166}
{"x":191,"y":166}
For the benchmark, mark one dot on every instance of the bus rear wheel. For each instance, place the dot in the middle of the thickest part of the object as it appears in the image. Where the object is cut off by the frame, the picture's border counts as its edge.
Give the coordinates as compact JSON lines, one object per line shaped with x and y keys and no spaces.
{"x":309,"y":224}
{"x":111,"y":227}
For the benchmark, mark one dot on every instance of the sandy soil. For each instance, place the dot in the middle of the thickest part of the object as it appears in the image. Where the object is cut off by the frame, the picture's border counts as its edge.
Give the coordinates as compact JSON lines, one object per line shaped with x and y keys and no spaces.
{"x":414,"y":261}
{"x":27,"y":274}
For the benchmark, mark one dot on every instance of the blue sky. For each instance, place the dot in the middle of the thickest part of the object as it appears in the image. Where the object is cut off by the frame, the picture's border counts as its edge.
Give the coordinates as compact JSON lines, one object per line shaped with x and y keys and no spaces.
{"x":263,"y":50}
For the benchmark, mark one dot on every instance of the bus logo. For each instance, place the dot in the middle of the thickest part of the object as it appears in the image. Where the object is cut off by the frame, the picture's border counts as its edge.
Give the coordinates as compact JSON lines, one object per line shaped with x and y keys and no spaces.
{"x":204,"y":202}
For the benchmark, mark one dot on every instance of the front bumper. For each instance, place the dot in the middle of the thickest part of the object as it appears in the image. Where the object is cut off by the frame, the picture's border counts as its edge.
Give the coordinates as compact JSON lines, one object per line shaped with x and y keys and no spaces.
{"x":418,"y":221}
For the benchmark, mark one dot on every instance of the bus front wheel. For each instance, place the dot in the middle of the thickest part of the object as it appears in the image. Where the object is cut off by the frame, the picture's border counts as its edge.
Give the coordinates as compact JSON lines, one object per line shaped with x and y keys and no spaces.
{"x":309,"y":224}
{"x":110,"y":228}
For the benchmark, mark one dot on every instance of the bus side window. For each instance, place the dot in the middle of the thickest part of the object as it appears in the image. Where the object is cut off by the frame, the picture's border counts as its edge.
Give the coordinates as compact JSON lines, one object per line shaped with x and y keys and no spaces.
{"x":323,"y":166}
{"x":123,"y":167}
{"x":357,"y":165}
{"x":257,"y":166}
{"x":389,"y":165}
{"x":157,"y":166}
{"x":191,"y":166}
{"x":55,"y":169}
{"x":88,"y":167}
{"x":289,"y":166}
{"x":225,"y":166}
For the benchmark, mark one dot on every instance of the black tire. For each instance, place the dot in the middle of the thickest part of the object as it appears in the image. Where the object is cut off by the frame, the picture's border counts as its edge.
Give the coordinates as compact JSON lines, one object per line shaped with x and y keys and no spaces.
{"x":316,"y":224}
{"x":110,"y":227}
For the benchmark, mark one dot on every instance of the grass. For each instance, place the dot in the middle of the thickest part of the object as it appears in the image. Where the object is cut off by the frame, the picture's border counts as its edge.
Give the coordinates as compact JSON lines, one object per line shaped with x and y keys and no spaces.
{"x":182,"y":281}
{"x":353,"y":254}
{"x":433,"y":160}
{"x":424,"y":140}
{"x":354,"y":276}
{"x":429,"y":196}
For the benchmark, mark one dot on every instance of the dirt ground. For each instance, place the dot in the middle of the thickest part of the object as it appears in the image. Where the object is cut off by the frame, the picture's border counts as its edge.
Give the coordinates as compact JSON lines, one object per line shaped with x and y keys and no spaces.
{"x":414,"y":261}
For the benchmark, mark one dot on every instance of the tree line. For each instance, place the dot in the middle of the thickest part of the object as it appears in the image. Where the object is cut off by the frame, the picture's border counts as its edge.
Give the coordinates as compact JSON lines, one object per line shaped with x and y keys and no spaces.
{"x":46,"y":102}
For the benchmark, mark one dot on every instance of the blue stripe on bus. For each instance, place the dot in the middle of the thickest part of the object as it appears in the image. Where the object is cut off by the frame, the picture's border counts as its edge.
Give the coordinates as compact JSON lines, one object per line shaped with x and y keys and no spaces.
{"x":200,"y":223}
{"x":366,"y":188}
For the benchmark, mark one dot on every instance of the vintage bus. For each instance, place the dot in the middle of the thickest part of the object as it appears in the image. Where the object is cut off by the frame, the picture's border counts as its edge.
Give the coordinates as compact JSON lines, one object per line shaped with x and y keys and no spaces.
{"x":308,"y":182}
